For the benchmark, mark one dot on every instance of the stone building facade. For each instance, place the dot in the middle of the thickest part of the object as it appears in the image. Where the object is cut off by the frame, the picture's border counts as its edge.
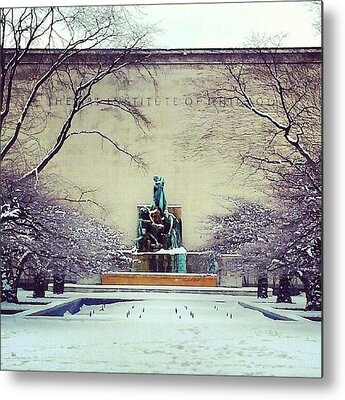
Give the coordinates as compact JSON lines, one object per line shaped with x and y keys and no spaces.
{"x":195,"y":138}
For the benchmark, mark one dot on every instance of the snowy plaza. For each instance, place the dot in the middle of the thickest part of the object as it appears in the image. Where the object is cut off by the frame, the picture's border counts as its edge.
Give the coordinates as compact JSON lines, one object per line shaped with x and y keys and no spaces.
{"x":161,"y":207}
{"x":166,"y":333}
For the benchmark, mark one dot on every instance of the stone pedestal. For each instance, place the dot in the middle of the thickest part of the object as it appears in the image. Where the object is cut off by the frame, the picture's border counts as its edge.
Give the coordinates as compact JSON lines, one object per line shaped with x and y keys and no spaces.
{"x":228,"y":274}
{"x":230,"y":280}
{"x":173,"y":261}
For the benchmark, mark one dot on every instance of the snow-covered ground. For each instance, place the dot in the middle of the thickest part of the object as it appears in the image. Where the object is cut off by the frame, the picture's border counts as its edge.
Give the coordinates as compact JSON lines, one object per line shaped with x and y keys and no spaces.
{"x":156,"y":333}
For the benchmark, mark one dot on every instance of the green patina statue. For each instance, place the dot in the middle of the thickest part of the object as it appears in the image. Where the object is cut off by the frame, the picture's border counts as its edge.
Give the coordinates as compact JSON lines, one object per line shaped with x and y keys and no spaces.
{"x":159,"y":200}
{"x":157,"y":227}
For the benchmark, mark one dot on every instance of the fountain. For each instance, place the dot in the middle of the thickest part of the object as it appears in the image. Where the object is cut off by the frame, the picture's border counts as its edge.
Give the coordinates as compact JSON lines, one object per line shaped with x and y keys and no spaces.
{"x":159,"y":257}
{"x":159,"y":235}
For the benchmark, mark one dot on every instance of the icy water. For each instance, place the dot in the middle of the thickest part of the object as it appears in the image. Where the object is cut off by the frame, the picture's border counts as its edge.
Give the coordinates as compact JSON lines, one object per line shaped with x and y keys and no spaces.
{"x":193,"y":334}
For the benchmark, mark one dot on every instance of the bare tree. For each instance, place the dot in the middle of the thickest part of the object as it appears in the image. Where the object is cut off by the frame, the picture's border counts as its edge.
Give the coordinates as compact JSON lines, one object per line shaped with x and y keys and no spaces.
{"x":42,"y":49}
{"x":74,"y":31}
{"x":316,"y":10}
{"x":253,"y":231}
{"x":287,"y":154}
{"x":50,"y":238}
{"x":292,"y":159}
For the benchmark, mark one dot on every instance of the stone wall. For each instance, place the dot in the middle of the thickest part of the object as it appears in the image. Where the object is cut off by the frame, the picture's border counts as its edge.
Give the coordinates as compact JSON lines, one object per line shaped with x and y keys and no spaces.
{"x":197,"y":262}
{"x":194,"y":140}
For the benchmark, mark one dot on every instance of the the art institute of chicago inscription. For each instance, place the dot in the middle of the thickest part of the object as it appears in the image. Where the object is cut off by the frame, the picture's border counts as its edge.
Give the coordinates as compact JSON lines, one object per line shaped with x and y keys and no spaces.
{"x":151,"y":101}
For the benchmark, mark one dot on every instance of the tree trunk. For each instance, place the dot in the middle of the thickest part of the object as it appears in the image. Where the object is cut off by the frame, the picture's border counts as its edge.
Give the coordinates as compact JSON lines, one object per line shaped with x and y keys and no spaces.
{"x":284,"y":289}
{"x":40,"y":285}
{"x":58,"y":284}
{"x":312,"y":282}
{"x":9,"y":284}
{"x":262,"y":292}
{"x":9,"y":290}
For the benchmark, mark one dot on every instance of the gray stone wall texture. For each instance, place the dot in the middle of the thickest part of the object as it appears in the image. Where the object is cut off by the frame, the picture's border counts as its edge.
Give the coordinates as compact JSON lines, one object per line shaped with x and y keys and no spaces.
{"x":195,"y":139}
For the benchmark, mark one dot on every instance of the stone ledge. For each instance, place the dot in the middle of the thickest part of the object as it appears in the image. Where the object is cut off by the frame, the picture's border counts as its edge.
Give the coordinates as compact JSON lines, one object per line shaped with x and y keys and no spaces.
{"x":244,"y":291}
{"x":159,"y":279}
{"x":267,"y":313}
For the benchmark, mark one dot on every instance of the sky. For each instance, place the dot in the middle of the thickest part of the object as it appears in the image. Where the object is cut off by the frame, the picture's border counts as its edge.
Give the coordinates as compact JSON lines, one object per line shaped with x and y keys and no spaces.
{"x":218,"y":25}
{"x":234,"y":24}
